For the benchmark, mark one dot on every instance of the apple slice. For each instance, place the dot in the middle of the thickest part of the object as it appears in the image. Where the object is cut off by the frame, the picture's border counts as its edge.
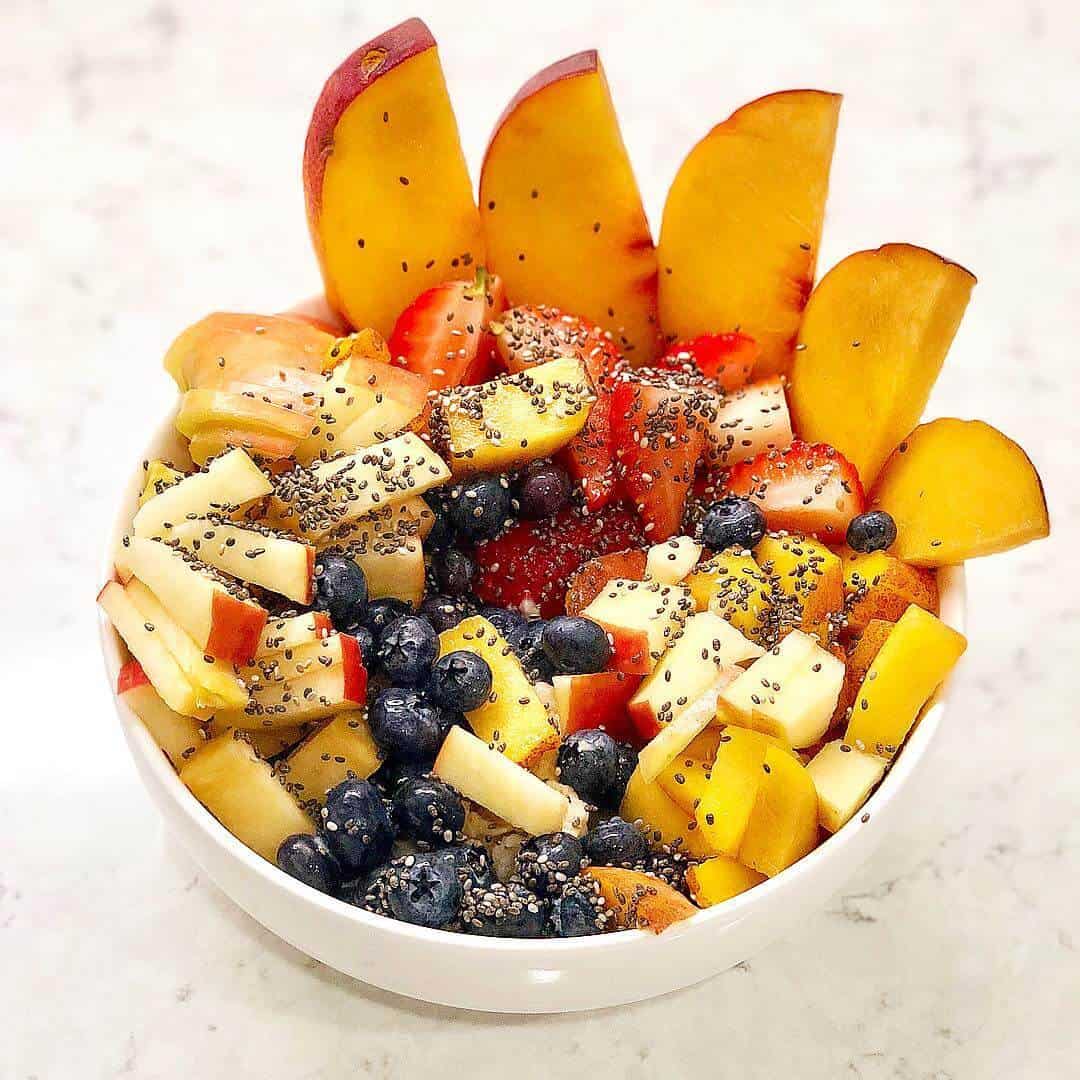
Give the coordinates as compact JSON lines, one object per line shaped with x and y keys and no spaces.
{"x":232,"y":482}
{"x":253,"y":555}
{"x":561,"y":211}
{"x":596,"y":701}
{"x":178,"y":736}
{"x":159,"y":476}
{"x":639,"y":901}
{"x":872,"y":343}
{"x":389,"y":200}
{"x":790,"y":692}
{"x":642,"y":619}
{"x":243,"y":793}
{"x":399,"y":399}
{"x":241,"y":417}
{"x":748,"y":422}
{"x":491,"y":779}
{"x":742,"y":224}
{"x":958,"y":489}
{"x":296,"y":630}
{"x":670,"y":562}
{"x":221,"y":617}
{"x":843,"y":778}
{"x":340,"y":749}
{"x":707,"y":644}
{"x":148,"y":647}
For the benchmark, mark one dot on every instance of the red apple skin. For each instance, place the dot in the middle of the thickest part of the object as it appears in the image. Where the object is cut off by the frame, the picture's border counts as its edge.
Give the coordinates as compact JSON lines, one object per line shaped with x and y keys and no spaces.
{"x":355,"y":677}
{"x":646,"y":726}
{"x":236,"y":628}
{"x":630,"y":650}
{"x":131,"y":677}
{"x":599,"y":701}
{"x":358,"y":71}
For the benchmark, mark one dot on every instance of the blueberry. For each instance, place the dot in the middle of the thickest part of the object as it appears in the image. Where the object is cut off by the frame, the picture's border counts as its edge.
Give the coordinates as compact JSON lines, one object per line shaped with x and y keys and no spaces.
{"x":357,"y":827}
{"x":508,"y":621}
{"x":546,"y":863}
{"x":588,"y":762}
{"x":460,"y":681}
{"x":366,"y":640}
{"x":543,"y":490}
{"x":454,"y":573}
{"x":873,"y":531}
{"x":340,"y":590}
{"x":308,"y":859}
{"x":407,"y":648}
{"x":626,"y":758}
{"x":405,"y":725}
{"x":382,"y":612}
{"x":500,"y":910}
{"x":616,"y":843}
{"x":428,"y":810}
{"x":481,"y":507}
{"x":423,"y":890}
{"x":575,"y":645}
{"x":472,"y":863}
{"x":396,"y":770}
{"x":441,"y":533}
{"x":733,"y":522}
{"x":445,"y":612}
{"x":577,"y":913}
{"x":528,"y":647}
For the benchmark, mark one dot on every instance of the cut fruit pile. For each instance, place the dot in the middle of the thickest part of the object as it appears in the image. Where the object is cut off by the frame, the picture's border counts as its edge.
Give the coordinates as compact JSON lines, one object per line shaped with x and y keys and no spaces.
{"x":586,"y":583}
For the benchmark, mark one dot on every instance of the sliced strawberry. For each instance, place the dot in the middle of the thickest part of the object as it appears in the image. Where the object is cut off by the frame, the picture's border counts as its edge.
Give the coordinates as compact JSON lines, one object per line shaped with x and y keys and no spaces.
{"x":588,"y":581}
{"x":658,"y":425}
{"x":806,"y":488}
{"x":444,"y":335}
{"x":728,"y":359}
{"x":529,"y":566}
{"x":527,"y":336}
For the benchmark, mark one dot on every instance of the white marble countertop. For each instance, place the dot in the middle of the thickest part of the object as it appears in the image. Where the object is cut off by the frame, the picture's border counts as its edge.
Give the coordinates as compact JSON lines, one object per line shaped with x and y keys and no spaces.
{"x":151,"y":173}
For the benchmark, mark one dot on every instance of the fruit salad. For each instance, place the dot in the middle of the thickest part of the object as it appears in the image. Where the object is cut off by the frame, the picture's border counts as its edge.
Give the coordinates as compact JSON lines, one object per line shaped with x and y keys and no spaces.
{"x":553,"y":581}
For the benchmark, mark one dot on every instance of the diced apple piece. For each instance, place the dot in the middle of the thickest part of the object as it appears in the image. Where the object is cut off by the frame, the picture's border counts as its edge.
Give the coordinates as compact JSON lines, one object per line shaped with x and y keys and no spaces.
{"x":178,"y":736}
{"x":858,"y":664}
{"x":807,"y":582}
{"x":491,"y":779}
{"x":707,"y":644}
{"x":159,"y":476}
{"x":742,"y":224}
{"x":749,"y":422}
{"x":918,"y":654}
{"x":149,"y":648}
{"x":958,"y":489}
{"x":232,"y":481}
{"x":222,"y":620}
{"x":672,"y":560}
{"x":844,"y":778}
{"x":340,"y":749}
{"x":513,"y":720}
{"x":642,"y":618}
{"x":664,"y":821}
{"x":596,"y":701}
{"x":214,"y":681}
{"x":242,"y":792}
{"x":881,"y":586}
{"x":639,"y":901}
{"x":718,"y":879}
{"x":561,"y":210}
{"x":296,"y":630}
{"x":790,"y":692}
{"x":389,"y":200}
{"x":731,"y":793}
{"x":873,"y":339}
{"x":512,"y":420}
{"x":783,"y":825}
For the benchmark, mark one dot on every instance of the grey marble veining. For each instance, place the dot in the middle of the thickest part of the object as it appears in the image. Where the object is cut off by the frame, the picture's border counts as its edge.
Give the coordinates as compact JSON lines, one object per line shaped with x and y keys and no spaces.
{"x":151,"y":173}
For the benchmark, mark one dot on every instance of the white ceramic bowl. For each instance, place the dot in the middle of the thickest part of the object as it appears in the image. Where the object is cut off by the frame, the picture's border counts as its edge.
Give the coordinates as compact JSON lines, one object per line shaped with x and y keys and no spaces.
{"x":512,"y":976}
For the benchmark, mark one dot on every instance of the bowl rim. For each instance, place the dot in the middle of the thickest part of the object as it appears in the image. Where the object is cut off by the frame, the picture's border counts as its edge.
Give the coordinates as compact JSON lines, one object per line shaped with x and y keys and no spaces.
{"x":953,"y":594}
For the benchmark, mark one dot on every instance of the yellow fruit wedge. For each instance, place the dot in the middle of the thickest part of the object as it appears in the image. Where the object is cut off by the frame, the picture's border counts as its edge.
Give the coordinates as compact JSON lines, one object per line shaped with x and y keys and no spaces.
{"x":718,"y":879}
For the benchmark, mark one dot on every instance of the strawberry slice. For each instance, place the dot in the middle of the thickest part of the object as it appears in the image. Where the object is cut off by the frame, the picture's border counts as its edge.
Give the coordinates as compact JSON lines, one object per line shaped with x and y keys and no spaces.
{"x":727,"y":359}
{"x":529,"y":335}
{"x":444,"y":335}
{"x":806,"y":488}
{"x":588,"y":581}
{"x":658,"y":425}
{"x":528,"y":567}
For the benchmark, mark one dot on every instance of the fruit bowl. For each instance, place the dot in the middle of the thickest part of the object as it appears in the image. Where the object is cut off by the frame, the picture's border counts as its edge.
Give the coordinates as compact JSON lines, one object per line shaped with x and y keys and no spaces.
{"x":502,"y":975}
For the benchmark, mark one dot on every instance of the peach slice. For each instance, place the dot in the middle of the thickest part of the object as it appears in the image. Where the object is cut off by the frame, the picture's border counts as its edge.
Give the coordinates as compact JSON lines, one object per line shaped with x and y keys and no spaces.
{"x":958,"y":489}
{"x":562,"y":215}
{"x":880,"y":586}
{"x":873,"y":339}
{"x":742,"y":224}
{"x":640,"y":901}
{"x":389,"y":199}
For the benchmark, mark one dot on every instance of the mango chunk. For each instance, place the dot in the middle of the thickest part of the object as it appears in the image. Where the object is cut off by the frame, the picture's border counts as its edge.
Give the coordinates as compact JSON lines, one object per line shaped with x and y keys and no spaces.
{"x":918,"y":654}
{"x":843,"y":778}
{"x":807,"y":582}
{"x":724,"y":808}
{"x":718,"y":879}
{"x":881,"y":586}
{"x":664,"y":821}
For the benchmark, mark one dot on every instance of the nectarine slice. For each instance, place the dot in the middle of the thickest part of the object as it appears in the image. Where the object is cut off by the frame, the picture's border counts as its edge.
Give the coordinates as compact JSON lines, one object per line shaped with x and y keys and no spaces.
{"x":873,"y":339}
{"x":742,"y":224}
{"x":958,"y":489}
{"x":389,"y":200}
{"x":562,"y":215}
{"x":640,"y":901}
